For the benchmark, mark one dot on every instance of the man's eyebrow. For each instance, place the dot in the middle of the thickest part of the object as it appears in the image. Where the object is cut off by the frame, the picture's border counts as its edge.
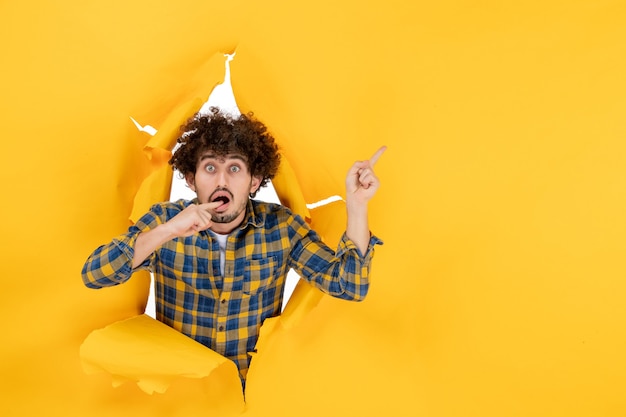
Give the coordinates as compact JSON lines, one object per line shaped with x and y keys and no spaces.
{"x":229,"y":156}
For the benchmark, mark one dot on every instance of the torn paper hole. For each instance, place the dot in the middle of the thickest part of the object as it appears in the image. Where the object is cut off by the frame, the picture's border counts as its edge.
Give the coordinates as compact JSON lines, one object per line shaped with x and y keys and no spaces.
{"x":222,"y":97}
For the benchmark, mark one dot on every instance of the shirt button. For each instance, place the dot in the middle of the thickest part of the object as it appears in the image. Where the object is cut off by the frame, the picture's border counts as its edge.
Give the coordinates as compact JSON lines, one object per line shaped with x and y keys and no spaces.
{"x":223,"y":301}
{"x":221,"y":328}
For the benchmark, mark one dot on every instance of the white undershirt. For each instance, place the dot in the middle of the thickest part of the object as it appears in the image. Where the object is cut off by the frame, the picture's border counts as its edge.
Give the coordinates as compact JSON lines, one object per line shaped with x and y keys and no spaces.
{"x":221,"y":240}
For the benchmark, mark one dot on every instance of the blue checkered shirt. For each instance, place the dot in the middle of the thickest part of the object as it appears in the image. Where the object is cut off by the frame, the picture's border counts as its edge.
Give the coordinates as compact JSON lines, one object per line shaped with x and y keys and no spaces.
{"x":224,"y":311}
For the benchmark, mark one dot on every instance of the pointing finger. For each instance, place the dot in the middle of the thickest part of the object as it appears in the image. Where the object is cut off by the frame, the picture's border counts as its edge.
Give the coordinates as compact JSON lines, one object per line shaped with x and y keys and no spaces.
{"x":377,"y":155}
{"x":208,"y":206}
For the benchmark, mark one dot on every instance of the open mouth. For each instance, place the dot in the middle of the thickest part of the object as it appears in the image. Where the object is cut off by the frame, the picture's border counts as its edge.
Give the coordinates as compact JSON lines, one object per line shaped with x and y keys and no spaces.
{"x":221,"y":198}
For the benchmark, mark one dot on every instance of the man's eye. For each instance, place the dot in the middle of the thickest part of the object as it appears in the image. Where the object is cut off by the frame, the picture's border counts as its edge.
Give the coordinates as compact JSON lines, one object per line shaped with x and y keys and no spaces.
{"x":235,"y":168}
{"x":209,"y":168}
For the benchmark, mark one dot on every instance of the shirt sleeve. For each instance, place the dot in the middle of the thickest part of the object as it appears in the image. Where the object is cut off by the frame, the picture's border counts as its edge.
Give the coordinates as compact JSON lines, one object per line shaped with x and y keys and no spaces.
{"x":111,"y":264}
{"x":343,"y":273}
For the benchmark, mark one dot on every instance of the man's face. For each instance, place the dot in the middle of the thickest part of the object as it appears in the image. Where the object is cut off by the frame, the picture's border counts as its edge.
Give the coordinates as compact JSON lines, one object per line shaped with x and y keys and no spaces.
{"x":227,"y":179}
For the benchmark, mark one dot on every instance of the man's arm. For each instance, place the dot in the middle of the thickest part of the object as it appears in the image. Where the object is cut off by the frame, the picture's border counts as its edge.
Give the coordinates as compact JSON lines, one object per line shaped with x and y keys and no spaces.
{"x":114,"y":263}
{"x":191,"y":220}
{"x":361,"y":185}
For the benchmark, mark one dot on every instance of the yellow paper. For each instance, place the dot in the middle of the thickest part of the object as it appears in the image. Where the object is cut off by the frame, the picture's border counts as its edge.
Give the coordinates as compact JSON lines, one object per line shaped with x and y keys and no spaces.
{"x":156,"y":187}
{"x":152,"y":354}
{"x":499,"y":288}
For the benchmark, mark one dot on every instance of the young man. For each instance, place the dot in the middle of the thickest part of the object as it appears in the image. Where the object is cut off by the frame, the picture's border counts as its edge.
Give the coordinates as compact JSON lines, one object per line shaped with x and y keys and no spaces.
{"x":220,"y":261}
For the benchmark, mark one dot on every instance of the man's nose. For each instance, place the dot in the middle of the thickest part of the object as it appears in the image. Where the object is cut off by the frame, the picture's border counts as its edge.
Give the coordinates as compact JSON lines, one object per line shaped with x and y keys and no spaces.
{"x":221,"y":178}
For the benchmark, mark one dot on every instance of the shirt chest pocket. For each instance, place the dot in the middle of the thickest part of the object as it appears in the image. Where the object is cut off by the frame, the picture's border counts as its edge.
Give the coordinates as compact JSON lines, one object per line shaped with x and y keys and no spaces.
{"x":258,"y":274}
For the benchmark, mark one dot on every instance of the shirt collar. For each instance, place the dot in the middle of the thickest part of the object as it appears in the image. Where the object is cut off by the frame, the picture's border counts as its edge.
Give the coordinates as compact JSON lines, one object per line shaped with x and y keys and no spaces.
{"x":253,"y":217}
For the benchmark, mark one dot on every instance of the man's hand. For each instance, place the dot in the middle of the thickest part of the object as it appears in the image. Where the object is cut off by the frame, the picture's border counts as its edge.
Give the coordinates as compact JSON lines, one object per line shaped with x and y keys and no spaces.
{"x":361,"y":181}
{"x":361,"y":185}
{"x":193,"y":219}
{"x":190,"y":221}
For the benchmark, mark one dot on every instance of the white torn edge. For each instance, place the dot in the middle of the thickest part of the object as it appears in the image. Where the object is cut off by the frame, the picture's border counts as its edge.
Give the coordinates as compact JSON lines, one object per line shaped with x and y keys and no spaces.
{"x":222,"y":95}
{"x":147,"y":128}
{"x":324,"y":202}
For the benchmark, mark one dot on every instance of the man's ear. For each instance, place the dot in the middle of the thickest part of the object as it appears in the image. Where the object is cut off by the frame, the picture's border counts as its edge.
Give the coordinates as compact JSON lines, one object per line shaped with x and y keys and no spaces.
{"x":191,"y":181}
{"x":255,"y":184}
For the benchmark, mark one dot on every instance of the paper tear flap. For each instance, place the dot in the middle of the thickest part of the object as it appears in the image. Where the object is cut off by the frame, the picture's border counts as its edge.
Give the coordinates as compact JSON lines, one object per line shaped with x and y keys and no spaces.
{"x":152,"y":354}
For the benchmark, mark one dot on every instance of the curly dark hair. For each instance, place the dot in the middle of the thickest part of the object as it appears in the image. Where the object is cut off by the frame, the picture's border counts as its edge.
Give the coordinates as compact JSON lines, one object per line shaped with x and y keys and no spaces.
{"x":225,"y":134}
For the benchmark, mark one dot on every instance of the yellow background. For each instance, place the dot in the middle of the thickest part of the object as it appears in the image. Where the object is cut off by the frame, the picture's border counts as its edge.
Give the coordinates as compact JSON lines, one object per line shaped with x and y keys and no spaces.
{"x":499,"y":290}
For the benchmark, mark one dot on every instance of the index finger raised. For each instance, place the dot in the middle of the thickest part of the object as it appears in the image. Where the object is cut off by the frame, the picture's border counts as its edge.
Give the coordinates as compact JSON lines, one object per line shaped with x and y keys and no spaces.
{"x":377,"y":155}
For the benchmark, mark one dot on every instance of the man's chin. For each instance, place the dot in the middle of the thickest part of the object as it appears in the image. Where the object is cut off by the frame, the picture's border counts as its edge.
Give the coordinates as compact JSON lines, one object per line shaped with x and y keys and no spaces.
{"x":223,"y":218}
